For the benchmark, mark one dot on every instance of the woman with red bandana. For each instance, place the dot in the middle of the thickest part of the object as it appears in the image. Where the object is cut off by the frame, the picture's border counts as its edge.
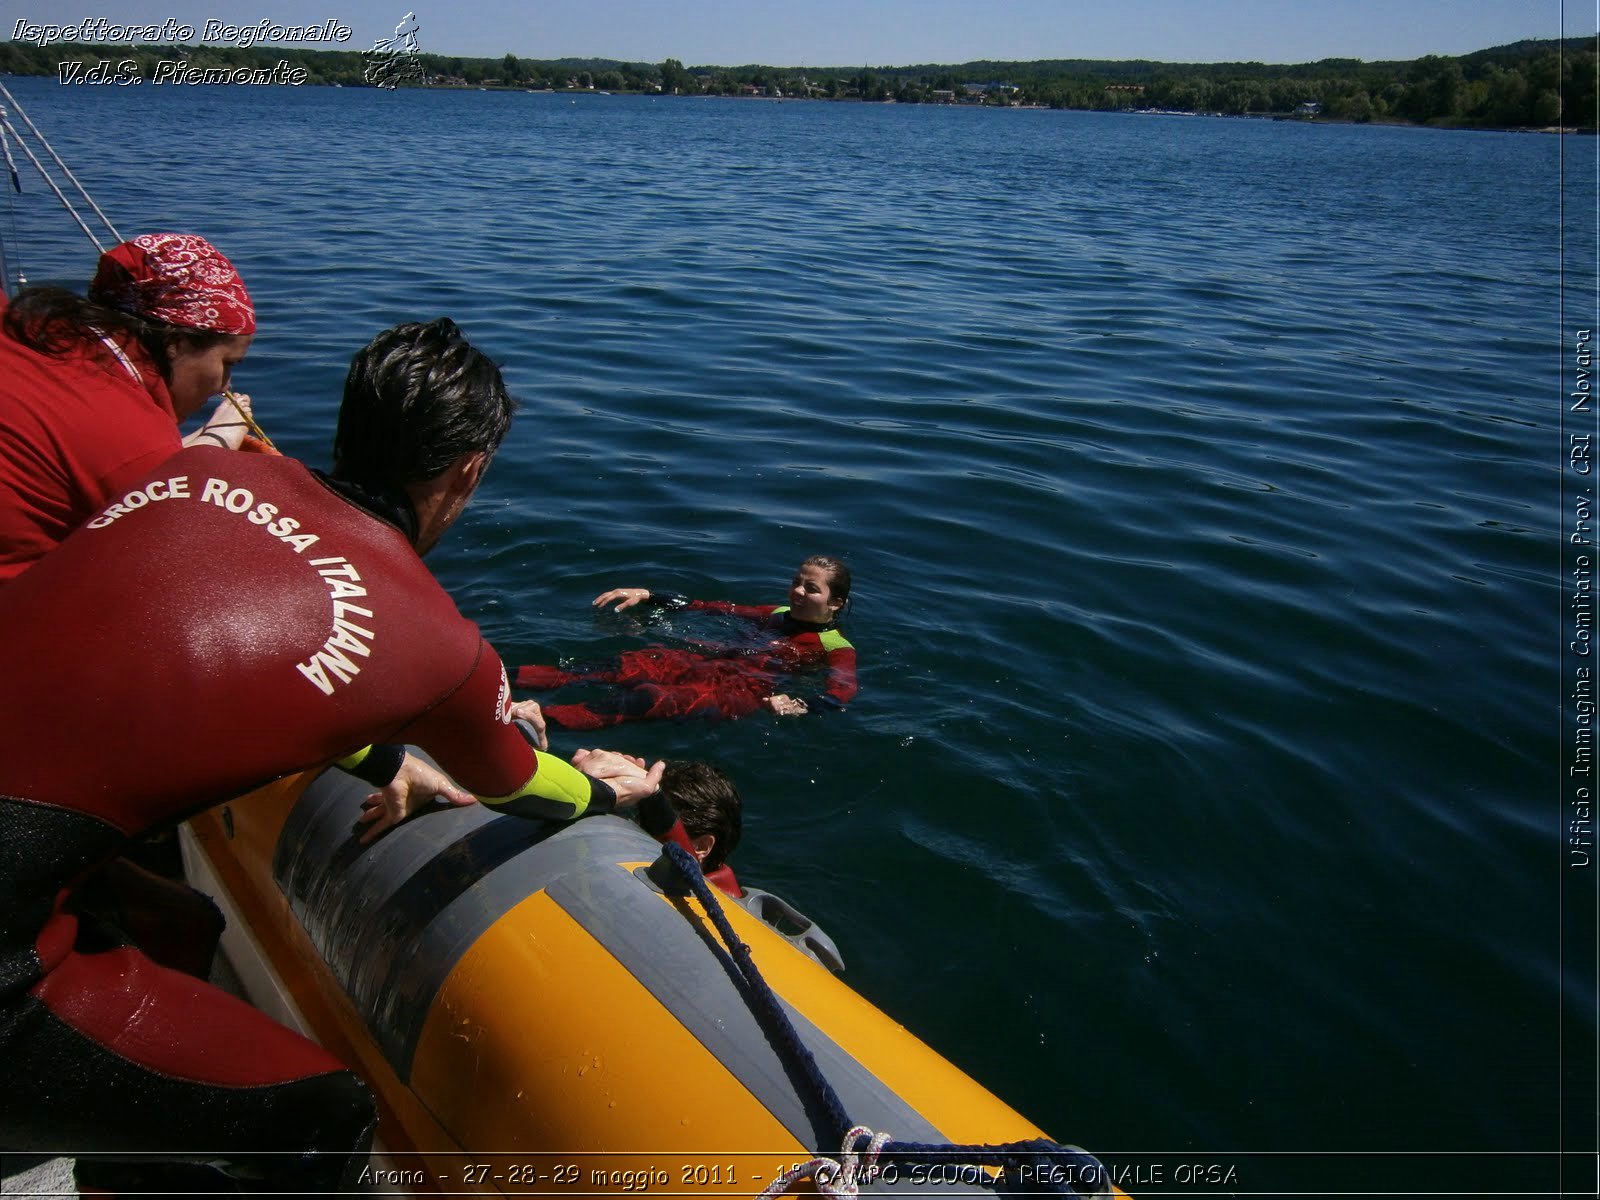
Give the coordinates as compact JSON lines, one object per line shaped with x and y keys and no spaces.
{"x":731,"y":681}
{"x":93,"y":388}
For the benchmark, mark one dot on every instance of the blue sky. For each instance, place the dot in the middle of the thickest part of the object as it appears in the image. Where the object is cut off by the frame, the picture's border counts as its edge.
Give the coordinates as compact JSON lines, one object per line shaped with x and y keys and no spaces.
{"x":885,"y":32}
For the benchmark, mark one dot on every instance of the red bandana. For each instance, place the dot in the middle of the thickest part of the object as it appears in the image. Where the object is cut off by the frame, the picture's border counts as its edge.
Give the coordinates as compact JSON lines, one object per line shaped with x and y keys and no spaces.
{"x":175,"y":278}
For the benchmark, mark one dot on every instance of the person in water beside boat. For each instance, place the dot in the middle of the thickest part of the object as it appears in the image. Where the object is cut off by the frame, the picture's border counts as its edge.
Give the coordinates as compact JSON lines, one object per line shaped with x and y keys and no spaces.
{"x":725,"y":682}
{"x":697,"y":807}
{"x":245,"y":618}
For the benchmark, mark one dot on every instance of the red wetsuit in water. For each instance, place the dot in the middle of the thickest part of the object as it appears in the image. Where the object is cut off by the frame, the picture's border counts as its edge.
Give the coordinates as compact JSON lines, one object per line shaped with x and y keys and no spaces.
{"x":229,"y":620}
{"x":733,"y":681}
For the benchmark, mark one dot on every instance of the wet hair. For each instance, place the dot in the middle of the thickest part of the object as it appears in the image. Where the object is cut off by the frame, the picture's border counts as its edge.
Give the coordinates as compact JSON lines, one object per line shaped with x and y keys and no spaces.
{"x":54,"y":321}
{"x":417,"y":398}
{"x":706,"y":801}
{"x":837,"y":574}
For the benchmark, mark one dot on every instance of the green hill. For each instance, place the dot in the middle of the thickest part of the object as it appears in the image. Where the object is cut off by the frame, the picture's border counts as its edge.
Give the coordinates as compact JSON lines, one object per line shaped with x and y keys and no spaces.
{"x":1527,"y":84}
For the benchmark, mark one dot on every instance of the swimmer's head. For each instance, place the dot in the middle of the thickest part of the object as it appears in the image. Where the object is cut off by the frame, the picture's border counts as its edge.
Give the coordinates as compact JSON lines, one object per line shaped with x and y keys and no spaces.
{"x":819,"y":589}
{"x":708,"y":804}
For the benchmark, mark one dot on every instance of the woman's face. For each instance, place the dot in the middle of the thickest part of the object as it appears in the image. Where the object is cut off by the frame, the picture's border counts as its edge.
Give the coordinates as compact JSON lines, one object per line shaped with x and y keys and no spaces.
{"x":194,"y":376}
{"x":811,"y":596}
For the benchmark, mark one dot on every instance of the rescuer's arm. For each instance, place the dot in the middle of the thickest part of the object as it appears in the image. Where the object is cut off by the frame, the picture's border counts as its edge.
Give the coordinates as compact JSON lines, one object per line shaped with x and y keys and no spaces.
{"x":470,"y":734}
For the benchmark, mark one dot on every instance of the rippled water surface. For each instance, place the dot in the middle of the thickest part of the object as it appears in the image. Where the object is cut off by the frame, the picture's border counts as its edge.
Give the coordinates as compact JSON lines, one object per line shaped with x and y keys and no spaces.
{"x":1199,"y":481}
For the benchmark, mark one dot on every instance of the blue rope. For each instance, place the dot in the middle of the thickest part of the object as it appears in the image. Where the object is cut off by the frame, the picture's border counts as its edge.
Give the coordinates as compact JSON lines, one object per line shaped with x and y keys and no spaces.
{"x":1032,"y":1167}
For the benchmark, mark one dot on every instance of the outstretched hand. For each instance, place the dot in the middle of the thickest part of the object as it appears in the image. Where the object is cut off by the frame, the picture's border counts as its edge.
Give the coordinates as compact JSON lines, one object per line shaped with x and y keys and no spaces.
{"x":628,"y":597}
{"x":414,"y":787}
{"x":787,"y":706}
{"x":629,"y":778}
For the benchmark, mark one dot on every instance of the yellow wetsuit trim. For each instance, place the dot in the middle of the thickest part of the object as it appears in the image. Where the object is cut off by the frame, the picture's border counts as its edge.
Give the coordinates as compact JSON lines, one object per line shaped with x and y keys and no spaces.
{"x":352,"y":761}
{"x":831,"y":639}
{"x":556,"y":789}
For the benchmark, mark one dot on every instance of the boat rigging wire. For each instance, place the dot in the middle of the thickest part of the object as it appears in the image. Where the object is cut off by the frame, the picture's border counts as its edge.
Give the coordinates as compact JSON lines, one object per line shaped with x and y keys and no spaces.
{"x":10,"y":132}
{"x":5,"y":122}
{"x":65,"y":170}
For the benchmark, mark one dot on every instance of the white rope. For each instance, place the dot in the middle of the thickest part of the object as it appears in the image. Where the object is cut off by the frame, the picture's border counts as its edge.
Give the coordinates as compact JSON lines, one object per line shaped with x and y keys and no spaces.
{"x":842,"y":1178}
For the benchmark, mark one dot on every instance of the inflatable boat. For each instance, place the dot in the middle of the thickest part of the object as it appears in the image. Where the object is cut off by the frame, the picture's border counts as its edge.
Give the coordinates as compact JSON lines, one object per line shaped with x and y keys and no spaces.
{"x":540,"y":1010}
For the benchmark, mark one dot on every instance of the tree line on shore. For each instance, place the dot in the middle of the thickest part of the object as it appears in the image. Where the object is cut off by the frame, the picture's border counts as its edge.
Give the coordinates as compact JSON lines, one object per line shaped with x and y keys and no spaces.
{"x":1531,"y":84}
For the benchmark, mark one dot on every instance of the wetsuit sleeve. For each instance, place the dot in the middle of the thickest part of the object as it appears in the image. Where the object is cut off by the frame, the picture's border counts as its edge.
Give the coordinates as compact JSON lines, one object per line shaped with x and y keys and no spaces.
{"x":470,"y":734}
{"x":377,"y":765}
{"x":751,"y":612}
{"x":841,"y":673}
{"x":677,"y":835}
{"x":722,"y":877}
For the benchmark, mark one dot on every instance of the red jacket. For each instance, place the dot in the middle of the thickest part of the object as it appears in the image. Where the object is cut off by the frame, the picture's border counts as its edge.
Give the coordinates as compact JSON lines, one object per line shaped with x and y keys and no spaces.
{"x":75,"y":431}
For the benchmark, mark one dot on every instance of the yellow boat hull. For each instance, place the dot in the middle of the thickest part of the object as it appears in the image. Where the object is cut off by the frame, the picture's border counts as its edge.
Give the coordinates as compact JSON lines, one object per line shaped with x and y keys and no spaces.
{"x":535,"y":1016}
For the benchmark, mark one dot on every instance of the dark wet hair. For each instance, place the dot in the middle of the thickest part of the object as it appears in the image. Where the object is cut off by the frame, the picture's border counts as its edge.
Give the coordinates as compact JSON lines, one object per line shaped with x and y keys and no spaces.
{"x":54,"y":321}
{"x":417,"y":398}
{"x":706,"y":801}
{"x":837,"y":573}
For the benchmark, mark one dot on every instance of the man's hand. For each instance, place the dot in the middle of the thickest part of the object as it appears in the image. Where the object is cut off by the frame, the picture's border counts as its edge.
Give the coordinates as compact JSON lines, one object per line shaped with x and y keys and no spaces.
{"x":414,"y":787}
{"x":529,"y":711}
{"x":629,"y":778}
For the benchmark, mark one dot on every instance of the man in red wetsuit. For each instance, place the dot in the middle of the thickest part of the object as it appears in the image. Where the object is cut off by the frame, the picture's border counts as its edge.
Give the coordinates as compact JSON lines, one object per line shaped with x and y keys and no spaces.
{"x":228,"y":620}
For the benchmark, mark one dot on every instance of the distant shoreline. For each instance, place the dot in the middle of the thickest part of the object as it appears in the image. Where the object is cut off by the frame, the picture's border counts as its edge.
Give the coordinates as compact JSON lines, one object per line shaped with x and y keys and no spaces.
{"x":1530,"y":85}
{"x":1319,"y":119}
{"x":1388,"y":123}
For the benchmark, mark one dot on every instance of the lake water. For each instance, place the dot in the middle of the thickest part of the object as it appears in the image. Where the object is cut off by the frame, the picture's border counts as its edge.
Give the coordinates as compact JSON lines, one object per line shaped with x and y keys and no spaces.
{"x":1201,"y":480}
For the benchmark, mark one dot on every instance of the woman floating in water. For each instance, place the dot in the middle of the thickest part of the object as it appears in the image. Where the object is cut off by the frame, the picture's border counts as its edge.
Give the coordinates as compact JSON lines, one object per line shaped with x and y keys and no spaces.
{"x":731,"y":681}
